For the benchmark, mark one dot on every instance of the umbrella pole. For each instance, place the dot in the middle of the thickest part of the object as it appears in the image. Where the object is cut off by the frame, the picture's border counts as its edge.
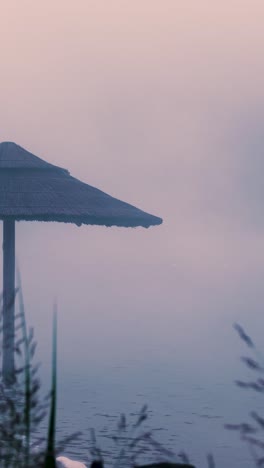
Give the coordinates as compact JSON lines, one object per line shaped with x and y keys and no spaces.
{"x":8,"y":368}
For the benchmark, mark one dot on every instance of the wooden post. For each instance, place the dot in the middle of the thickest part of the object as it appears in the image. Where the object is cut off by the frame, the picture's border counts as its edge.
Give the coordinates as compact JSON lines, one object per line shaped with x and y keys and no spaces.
{"x":8,"y":368}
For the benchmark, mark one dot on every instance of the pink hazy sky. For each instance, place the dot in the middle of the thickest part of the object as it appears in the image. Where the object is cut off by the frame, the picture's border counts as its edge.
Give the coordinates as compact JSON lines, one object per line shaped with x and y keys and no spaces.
{"x":160,"y":103}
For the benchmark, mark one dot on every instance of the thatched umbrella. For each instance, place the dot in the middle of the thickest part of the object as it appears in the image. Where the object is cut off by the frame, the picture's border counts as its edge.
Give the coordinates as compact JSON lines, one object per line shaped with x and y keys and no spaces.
{"x":33,"y":190}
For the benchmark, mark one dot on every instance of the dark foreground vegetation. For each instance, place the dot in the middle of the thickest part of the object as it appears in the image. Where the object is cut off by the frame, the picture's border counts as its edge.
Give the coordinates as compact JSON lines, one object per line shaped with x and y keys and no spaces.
{"x":23,"y":409}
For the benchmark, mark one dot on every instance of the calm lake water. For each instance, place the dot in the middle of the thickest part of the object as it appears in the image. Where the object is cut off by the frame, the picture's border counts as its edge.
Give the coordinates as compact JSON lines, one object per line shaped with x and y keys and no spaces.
{"x":152,"y":335}
{"x":184,"y":414}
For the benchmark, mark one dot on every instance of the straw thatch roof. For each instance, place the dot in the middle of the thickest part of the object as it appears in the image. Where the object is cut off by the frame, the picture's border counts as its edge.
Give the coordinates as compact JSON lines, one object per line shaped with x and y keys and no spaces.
{"x":33,"y":190}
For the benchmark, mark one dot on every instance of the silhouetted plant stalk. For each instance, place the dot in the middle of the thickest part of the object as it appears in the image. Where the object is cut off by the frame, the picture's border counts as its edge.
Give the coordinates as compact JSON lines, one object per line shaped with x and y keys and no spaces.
{"x":22,"y":407}
{"x":50,"y":461}
{"x":28,"y":351}
{"x":134,"y":441}
{"x":19,"y":402}
{"x":252,"y":433}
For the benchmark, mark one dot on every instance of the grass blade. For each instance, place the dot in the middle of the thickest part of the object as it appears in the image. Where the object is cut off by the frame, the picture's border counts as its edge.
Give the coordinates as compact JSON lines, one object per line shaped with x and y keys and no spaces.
{"x":27,"y":407}
{"x":50,"y":461}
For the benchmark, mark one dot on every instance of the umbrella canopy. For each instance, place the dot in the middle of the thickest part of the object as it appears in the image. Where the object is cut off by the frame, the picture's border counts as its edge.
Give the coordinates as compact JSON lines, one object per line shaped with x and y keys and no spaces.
{"x":33,"y":190}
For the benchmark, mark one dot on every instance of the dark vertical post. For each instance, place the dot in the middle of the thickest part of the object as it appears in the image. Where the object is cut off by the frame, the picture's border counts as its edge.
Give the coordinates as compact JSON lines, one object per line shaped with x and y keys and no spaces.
{"x":8,"y":368}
